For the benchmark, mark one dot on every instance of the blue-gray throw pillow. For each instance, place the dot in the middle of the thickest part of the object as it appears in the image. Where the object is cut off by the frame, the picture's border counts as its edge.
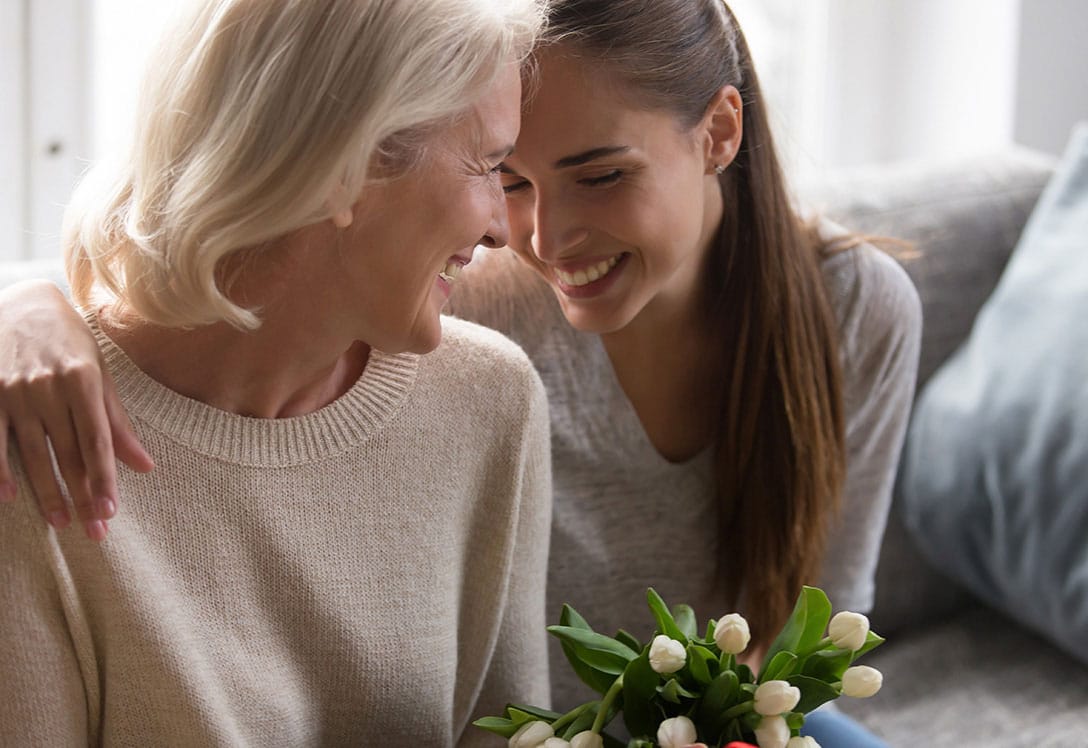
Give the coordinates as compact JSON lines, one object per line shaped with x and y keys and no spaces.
{"x":994,"y":479}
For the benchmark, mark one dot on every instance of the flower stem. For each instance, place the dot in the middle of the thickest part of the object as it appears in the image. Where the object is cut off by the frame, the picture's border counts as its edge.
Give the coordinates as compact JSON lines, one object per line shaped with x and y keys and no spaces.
{"x":822,"y":644}
{"x":735,"y":711}
{"x":606,"y":704}
{"x":570,"y":716}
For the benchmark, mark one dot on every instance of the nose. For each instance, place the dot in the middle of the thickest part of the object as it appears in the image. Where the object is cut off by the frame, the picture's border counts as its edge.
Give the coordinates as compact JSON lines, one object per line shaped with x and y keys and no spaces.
{"x":556,"y":228}
{"x":498,"y":229}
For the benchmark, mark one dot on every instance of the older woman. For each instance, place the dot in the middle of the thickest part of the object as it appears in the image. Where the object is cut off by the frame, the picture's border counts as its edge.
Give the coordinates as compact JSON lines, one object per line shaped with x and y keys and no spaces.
{"x":268,"y":287}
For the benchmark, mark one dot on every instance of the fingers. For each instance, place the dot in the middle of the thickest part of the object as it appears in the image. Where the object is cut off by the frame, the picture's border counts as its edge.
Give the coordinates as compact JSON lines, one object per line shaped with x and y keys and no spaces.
{"x":34,"y":450}
{"x":66,"y":449}
{"x":94,"y":448}
{"x":125,"y":442}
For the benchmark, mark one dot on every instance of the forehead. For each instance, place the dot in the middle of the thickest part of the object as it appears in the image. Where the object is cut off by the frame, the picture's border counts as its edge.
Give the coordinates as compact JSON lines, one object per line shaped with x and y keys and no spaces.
{"x":494,"y":119}
{"x":575,"y":105}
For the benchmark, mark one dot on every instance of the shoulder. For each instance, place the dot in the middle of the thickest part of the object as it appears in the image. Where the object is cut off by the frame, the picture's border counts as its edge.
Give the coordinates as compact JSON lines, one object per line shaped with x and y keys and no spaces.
{"x":484,"y":366}
{"x":874,"y":300}
{"x":500,"y":291}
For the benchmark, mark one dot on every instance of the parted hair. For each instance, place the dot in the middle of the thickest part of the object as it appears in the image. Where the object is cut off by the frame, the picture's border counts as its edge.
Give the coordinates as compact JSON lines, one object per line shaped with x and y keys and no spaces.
{"x":780,"y":443}
{"x":259,"y":117}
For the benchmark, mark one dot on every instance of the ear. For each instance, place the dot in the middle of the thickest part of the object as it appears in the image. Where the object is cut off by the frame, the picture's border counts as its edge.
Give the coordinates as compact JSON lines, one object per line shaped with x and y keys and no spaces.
{"x":722,"y":129}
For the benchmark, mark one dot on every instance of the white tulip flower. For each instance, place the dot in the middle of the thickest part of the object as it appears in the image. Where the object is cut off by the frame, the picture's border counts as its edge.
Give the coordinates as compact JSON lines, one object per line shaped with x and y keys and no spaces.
{"x":676,"y":732}
{"x":587,"y":739}
{"x":776,"y":697}
{"x":667,"y":655}
{"x":731,"y":634}
{"x":531,"y":735}
{"x":555,"y":743}
{"x":773,"y":732}
{"x":861,"y":681}
{"x":848,"y":630}
{"x":802,"y":741}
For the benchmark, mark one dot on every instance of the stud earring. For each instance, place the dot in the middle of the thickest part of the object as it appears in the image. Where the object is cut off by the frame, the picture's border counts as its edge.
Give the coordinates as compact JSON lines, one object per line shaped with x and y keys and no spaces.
{"x":343,"y":219}
{"x":719,"y":169}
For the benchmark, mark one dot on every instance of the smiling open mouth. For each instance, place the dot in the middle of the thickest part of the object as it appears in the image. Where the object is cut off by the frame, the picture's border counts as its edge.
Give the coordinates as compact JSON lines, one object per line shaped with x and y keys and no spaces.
{"x":588,"y":275}
{"x":451,"y":272}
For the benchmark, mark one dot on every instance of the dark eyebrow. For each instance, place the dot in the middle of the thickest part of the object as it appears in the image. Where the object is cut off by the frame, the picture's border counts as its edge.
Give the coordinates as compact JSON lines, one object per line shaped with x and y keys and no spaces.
{"x":586,"y":156}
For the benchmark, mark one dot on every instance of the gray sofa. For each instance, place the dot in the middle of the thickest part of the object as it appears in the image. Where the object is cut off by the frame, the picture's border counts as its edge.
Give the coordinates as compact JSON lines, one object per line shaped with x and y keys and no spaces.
{"x":956,"y":672}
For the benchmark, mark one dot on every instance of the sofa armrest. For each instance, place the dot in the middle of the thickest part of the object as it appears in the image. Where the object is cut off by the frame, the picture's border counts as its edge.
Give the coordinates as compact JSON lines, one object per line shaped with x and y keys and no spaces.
{"x":963,"y":219}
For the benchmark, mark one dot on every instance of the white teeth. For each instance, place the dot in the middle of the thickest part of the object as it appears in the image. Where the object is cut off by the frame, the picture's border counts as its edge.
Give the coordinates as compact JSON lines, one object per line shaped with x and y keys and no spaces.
{"x":450,"y":273}
{"x":588,"y":275}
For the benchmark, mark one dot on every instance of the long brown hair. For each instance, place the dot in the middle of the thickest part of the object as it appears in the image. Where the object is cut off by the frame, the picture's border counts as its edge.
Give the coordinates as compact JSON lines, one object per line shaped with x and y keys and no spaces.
{"x":779,"y":442}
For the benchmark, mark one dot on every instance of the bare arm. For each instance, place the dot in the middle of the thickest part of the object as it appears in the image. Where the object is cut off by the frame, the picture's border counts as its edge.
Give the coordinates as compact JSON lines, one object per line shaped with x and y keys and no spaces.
{"x":55,"y":396}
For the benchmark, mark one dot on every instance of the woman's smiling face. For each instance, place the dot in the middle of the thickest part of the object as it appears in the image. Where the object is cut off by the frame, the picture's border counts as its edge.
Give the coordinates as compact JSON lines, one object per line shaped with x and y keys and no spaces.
{"x":613,"y":205}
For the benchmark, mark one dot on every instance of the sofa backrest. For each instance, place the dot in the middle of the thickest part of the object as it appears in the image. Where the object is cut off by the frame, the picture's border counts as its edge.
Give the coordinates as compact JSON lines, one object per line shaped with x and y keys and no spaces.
{"x":963,"y":220}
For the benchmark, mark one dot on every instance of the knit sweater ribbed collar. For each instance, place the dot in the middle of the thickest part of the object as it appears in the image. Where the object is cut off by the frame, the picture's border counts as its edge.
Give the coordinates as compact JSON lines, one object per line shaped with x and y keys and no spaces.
{"x":348,"y":421}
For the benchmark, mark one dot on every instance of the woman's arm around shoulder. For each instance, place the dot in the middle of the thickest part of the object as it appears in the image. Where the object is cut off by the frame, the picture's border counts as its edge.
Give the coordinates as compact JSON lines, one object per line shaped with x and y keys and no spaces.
{"x":55,"y":395}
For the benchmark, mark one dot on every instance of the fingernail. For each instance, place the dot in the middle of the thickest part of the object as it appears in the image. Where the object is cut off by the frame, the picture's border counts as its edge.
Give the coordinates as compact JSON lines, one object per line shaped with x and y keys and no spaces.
{"x":7,"y":493}
{"x":106,"y":507}
{"x":59,"y":519}
{"x":96,"y":529}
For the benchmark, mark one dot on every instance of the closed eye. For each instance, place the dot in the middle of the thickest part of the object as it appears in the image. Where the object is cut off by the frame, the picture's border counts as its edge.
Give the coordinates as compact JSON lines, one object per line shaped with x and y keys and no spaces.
{"x":512,"y":187}
{"x":609,"y":178}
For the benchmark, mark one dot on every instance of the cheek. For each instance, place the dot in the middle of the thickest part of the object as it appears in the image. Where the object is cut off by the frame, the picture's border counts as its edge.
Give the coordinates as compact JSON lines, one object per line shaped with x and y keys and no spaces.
{"x":519,"y":212}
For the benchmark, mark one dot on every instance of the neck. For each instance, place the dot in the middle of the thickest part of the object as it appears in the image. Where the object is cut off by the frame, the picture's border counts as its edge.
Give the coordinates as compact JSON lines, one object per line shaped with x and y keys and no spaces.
{"x":279,"y":371}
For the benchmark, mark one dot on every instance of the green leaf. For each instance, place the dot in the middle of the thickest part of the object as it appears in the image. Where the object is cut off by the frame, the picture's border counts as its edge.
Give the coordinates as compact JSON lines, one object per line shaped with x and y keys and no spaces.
{"x":814,"y":692}
{"x":497,"y":725}
{"x":522,"y":713}
{"x":872,"y":641}
{"x":598,"y":680}
{"x":600,"y":652}
{"x":673,"y":691}
{"x":640,"y":714}
{"x":795,"y":721}
{"x":666,"y":624}
{"x":571,"y":617}
{"x":805,"y":627}
{"x":827,"y":665}
{"x":700,"y":661}
{"x":710,"y":625}
{"x":684,"y":616}
{"x":595,"y":678}
{"x":745,"y":674}
{"x":720,"y":695}
{"x":627,"y":638}
{"x":779,"y":667}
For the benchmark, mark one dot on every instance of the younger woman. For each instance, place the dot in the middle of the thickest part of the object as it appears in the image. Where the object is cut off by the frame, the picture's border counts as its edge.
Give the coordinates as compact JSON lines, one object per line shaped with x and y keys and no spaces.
{"x":729,"y":384}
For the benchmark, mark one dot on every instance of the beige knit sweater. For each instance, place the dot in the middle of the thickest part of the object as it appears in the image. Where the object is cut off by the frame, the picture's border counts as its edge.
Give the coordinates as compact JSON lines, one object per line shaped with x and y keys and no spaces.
{"x":371,"y":574}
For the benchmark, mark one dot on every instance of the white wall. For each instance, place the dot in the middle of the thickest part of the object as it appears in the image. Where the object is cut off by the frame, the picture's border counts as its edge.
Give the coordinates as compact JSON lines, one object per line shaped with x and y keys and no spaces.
{"x":1052,"y":79}
{"x":43,"y":109}
{"x":123,"y":34}
{"x":918,"y":79}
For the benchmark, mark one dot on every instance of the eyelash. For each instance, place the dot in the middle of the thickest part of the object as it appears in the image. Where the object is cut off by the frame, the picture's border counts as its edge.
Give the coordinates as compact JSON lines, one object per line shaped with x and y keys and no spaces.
{"x":609,"y":178}
{"x":605,"y":179}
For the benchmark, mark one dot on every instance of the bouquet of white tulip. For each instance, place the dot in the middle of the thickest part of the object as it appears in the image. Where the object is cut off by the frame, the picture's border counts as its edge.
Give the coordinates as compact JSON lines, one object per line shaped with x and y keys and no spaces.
{"x":679,"y":689}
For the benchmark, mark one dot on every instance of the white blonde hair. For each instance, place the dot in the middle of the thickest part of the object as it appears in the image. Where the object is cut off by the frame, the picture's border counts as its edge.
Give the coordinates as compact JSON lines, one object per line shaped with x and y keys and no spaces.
{"x":258,"y":117}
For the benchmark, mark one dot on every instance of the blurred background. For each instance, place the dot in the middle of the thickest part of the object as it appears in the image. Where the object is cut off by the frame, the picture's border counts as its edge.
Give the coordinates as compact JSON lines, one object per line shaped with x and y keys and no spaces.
{"x":850,"y":83}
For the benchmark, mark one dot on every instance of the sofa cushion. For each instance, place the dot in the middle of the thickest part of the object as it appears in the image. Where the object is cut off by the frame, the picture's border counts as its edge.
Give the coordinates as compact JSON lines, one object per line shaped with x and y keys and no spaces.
{"x":994,"y":481}
{"x":962,"y":219}
{"x":976,"y":680}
